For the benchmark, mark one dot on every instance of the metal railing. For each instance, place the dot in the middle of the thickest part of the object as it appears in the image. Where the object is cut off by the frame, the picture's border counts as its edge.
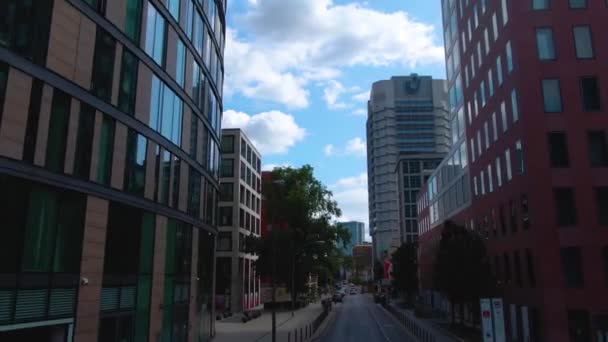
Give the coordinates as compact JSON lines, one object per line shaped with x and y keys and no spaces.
{"x":411,"y":326}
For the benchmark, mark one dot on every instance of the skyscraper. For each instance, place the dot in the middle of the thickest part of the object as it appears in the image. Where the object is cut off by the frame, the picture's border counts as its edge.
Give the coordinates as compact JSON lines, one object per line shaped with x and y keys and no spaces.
{"x":526,"y":82}
{"x":109,"y":153}
{"x":357,"y":234}
{"x":406,"y":115}
{"x":240,"y":205}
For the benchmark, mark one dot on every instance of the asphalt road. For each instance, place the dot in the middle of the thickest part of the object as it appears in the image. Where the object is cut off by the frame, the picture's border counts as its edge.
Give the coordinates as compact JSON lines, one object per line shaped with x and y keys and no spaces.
{"x":358,"y":318}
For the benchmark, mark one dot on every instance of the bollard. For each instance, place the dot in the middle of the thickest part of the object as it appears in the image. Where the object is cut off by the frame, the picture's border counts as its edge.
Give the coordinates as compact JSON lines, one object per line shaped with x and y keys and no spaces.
{"x":301,"y":336}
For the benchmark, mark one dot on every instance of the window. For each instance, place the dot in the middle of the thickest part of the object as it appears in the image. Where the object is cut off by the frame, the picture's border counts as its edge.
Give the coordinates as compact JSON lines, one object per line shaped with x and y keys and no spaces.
{"x":243,"y":171}
{"x":176,"y":182}
{"x":498,"y":172}
{"x":224,"y":241}
{"x":540,"y":4}
{"x":494,"y":127}
{"x":166,"y":177}
{"x":135,"y":164}
{"x":180,"y":64}
{"x":225,"y":216}
{"x":508,"y":164}
{"x":601,"y":203}
{"x":227,"y":144}
{"x":572,"y":267}
{"x":475,"y":187}
{"x":490,"y":83}
{"x":166,"y":110}
{"x":482,"y":181}
{"x":503,"y":115}
{"x":33,"y":118}
{"x":514,"y":106}
{"x":590,"y":94}
{"x":486,"y":134}
{"x":25,"y":28}
{"x":558,"y":149}
{"x":227,"y":168}
{"x":194,"y":192}
{"x":58,"y":131}
{"x":583,"y":42}
{"x":530,"y":268}
{"x":490,"y":179}
{"x":598,"y":149}
{"x":103,"y":65}
{"x":509,"y":53}
{"x":499,"y":70}
{"x":486,"y":37}
{"x":578,"y":325}
{"x":226,"y":192}
{"x":565,"y":207}
{"x":505,"y":12}
{"x":173,"y":7}
{"x":552,"y":97}
{"x":155,"y":35}
{"x":519,"y":158}
{"x":133,"y":19}
{"x":106,"y":148}
{"x":544,"y":43}
{"x":577,"y":3}
{"x":495,"y":26}
{"x":84,"y":141}
{"x":127,"y":89}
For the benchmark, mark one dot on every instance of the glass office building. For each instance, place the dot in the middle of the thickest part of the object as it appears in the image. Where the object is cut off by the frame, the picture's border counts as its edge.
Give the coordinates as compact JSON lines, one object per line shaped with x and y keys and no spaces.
{"x":110,"y":116}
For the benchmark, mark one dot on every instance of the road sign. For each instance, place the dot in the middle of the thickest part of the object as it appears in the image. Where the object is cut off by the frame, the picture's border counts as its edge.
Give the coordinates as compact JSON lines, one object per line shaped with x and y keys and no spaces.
{"x":486,"y":320}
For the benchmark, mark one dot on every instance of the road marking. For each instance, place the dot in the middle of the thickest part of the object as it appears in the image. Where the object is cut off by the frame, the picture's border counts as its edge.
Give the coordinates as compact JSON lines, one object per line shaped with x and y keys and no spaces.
{"x":378,"y":324}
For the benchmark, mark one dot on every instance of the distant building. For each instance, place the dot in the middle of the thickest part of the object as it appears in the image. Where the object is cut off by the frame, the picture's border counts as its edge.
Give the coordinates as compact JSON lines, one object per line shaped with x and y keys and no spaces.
{"x":363,"y":261}
{"x":357,"y":234}
{"x":238,"y":286}
{"x":406,"y":115}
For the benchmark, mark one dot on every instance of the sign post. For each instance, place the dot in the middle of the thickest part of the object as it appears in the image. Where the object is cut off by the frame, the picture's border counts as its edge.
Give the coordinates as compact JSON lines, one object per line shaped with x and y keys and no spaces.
{"x":499,"y":320}
{"x":486,"y":320}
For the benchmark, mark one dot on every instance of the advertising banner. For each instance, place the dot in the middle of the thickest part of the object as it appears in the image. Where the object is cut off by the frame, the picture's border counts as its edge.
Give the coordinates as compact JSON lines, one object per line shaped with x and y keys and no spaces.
{"x":498,"y":314}
{"x":486,"y":320}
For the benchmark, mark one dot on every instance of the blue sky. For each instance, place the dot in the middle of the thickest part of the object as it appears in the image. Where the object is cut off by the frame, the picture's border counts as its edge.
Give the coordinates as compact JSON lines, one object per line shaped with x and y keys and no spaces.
{"x":298,"y":74}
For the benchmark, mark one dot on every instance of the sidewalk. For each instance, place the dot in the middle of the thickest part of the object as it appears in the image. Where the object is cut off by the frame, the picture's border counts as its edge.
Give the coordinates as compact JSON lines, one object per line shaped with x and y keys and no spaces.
{"x":424,"y":329}
{"x":259,"y":330}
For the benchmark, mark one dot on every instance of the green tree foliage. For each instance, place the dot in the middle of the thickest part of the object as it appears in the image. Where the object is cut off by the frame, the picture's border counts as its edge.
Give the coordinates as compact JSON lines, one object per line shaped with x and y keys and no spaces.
{"x":462,"y":272}
{"x":405,"y":270}
{"x":303,"y":212}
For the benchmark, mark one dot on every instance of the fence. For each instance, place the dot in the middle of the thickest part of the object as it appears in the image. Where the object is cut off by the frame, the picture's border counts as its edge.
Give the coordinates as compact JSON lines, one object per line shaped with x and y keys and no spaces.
{"x":306,"y":332}
{"x":410,"y":325}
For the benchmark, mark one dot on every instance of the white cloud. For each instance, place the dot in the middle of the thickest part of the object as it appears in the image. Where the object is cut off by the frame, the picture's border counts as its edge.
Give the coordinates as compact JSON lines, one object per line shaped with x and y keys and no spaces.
{"x":271,"y":132}
{"x":328,"y":150}
{"x":354,"y":147}
{"x":351,"y":195}
{"x":361,"y":97}
{"x":331,"y":94}
{"x":359,"y":112}
{"x":281,"y":54}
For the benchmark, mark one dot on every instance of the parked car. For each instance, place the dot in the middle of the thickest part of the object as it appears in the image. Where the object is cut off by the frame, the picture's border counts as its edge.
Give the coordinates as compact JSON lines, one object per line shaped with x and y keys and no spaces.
{"x":337,"y":297}
{"x":353,"y":291}
{"x":380,"y":298}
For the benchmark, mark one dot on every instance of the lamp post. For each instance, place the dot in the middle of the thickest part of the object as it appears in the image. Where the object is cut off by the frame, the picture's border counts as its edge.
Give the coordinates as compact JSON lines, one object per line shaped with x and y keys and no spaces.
{"x":279,"y":183}
{"x":293,"y":269}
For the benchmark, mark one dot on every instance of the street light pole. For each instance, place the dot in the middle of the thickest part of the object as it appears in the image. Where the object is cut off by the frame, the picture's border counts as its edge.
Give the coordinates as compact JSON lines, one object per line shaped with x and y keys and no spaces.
{"x":274,"y":289}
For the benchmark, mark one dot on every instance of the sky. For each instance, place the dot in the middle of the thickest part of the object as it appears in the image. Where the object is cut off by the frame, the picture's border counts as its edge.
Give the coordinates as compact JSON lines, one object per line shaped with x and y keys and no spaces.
{"x":298,"y":75}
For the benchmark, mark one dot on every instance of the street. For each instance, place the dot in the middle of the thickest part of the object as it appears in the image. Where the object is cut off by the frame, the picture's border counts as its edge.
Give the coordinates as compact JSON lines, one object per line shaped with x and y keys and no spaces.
{"x":358,"y":318}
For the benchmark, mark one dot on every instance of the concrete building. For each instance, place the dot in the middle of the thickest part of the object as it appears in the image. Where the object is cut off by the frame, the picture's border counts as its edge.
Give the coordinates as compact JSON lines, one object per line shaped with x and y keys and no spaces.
{"x":412,"y":171}
{"x":406,"y":114}
{"x":357,"y":233}
{"x":109,"y":155}
{"x":525,"y":76}
{"x":237,"y":285}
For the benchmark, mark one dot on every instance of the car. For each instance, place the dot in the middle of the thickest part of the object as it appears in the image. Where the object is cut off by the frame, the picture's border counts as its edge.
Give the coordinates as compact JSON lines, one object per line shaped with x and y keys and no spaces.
{"x":337,"y":297}
{"x":353,"y":291}
{"x":379,"y":298}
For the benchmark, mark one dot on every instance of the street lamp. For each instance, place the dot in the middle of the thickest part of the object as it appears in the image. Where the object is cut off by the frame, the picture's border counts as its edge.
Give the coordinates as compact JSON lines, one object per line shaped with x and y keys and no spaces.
{"x":293,"y":269}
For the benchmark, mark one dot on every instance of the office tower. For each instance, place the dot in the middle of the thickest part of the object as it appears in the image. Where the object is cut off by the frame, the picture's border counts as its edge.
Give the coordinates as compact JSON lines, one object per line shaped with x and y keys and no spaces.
{"x":109,"y":155}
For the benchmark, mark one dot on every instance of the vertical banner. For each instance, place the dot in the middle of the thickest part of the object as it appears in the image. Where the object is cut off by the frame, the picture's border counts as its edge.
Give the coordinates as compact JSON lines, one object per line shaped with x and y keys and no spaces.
{"x":486,"y":320}
{"x":525,"y":322}
{"x":498,"y":314}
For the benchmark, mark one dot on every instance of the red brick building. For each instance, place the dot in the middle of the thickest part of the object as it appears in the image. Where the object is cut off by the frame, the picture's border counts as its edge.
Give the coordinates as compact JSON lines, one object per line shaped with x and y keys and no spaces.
{"x":527,"y":86}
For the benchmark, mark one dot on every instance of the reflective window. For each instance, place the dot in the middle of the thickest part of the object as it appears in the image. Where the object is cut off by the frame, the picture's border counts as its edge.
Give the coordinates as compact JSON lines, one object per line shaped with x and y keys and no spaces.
{"x":514,"y":106}
{"x":166,"y":111}
{"x":155,"y":35}
{"x":601,"y":203}
{"x":127,"y":90}
{"x":106,"y":148}
{"x":583,"y":42}
{"x":180,"y":63}
{"x":565,"y":207}
{"x":598,"y":148}
{"x":499,"y":70}
{"x":552,"y":97}
{"x":545,"y":45}
{"x":495,"y":26}
{"x":508,"y":164}
{"x":509,"y":54}
{"x":226,"y":192}
{"x":540,"y":4}
{"x":227,"y":168}
{"x":165,"y":180}
{"x":572,"y":267}
{"x":135,"y":163}
{"x":173,"y":7}
{"x":58,"y":131}
{"x":194,"y":192}
{"x":227,"y":144}
{"x":505,"y":12}
{"x":103,"y":65}
{"x":494,"y":127}
{"x":519,"y":158}
{"x":503,"y":114}
{"x":498,"y":172}
{"x":577,"y":3}
{"x":84,"y":141}
{"x":198,"y":33}
{"x":133,"y":19}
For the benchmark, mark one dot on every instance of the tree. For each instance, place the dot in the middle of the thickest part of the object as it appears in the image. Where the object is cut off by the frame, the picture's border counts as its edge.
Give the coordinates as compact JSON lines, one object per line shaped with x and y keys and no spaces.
{"x":462,"y":272}
{"x":303,"y":210}
{"x":405,"y":270}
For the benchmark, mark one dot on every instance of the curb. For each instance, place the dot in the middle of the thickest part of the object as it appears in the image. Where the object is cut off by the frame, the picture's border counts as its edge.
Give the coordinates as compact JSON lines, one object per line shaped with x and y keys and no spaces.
{"x":322,"y":330}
